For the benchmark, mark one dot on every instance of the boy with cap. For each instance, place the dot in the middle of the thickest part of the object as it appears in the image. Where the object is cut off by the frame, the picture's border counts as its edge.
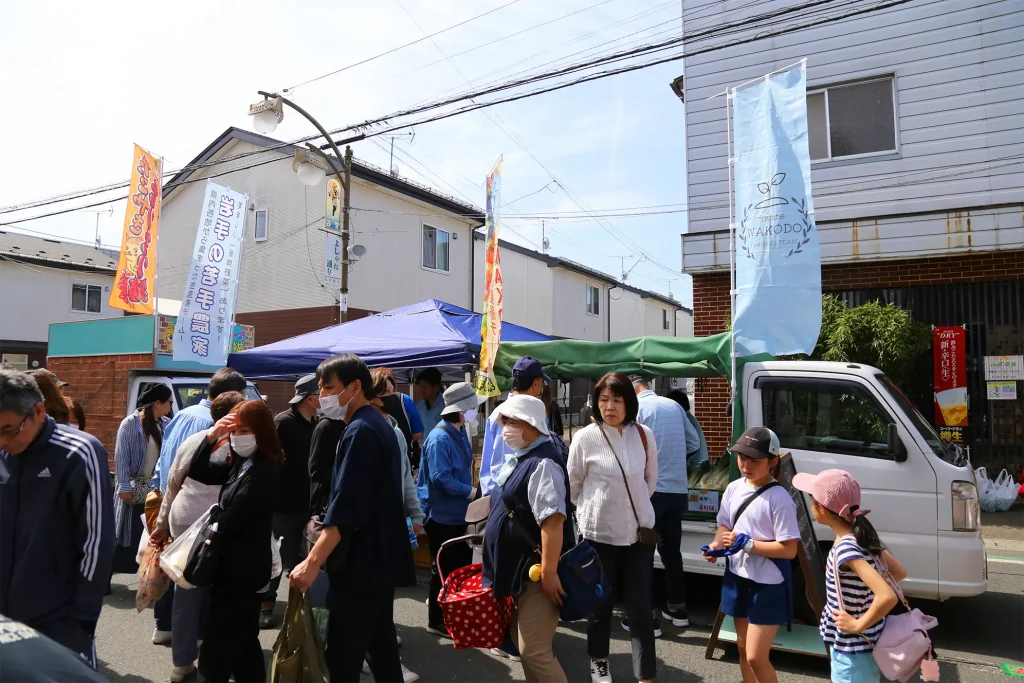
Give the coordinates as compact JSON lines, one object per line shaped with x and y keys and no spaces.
{"x":758,"y":533}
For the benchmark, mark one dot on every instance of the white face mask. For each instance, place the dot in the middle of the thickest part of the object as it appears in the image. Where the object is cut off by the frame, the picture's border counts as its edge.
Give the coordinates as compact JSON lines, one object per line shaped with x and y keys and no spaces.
{"x":244,"y":445}
{"x":513,"y":437}
{"x":470,"y":415}
{"x":331,"y":408}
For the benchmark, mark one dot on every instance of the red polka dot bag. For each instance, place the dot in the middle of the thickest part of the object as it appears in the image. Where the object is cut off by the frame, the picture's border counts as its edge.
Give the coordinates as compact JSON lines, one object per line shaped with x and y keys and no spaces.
{"x":472,"y":615}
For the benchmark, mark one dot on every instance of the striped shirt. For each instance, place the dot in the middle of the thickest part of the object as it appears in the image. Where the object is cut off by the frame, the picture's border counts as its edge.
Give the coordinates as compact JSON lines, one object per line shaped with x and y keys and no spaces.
{"x":857,"y":597}
{"x":129,"y":461}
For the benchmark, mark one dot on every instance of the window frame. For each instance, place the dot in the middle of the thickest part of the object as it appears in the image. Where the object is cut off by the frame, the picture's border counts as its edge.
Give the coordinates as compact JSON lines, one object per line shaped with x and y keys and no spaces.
{"x":597,"y":300}
{"x":87,"y":287}
{"x":666,"y":322}
{"x":266,"y":226}
{"x":829,"y":385}
{"x":424,"y":226}
{"x":823,"y":90}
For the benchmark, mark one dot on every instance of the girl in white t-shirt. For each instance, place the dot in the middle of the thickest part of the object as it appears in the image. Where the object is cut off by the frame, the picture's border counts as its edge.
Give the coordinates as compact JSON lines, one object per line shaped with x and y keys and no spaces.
{"x":759,"y":534}
{"x":858,"y":560}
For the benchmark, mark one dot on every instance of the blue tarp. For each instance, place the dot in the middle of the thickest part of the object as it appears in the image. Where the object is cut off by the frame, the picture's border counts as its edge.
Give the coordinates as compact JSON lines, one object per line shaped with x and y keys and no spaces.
{"x":430,"y":333}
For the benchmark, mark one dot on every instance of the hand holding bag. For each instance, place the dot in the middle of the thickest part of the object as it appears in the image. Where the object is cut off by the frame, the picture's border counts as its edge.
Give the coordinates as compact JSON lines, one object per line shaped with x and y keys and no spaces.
{"x":204,"y":557}
{"x":298,"y":652}
{"x":645,"y":535}
{"x":175,"y":557}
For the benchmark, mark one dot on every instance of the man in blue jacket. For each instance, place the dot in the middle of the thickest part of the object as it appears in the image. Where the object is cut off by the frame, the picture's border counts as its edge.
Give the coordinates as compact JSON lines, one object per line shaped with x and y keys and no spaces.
{"x":56,"y":521}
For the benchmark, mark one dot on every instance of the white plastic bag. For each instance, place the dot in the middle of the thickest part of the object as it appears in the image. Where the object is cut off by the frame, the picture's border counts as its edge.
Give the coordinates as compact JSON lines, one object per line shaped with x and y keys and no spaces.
{"x":143,"y":542}
{"x":986,"y":490}
{"x":175,"y":556}
{"x":1004,"y":491}
{"x":276,"y":567}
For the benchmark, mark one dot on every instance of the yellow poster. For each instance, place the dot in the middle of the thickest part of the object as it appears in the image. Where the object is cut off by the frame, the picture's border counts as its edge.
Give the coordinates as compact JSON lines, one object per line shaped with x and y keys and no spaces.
{"x":136,"y":266}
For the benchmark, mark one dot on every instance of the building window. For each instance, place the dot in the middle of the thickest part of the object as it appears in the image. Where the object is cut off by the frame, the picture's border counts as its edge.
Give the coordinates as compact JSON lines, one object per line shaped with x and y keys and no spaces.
{"x":19,"y":361}
{"x":852,"y":120}
{"x":262,"y":226}
{"x":665,"y":323}
{"x":86,"y":298}
{"x":593,"y":300}
{"x":435,"y":249}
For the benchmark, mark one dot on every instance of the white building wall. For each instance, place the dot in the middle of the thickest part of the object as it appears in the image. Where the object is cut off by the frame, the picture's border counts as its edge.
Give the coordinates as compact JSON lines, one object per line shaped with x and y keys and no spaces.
{"x":286,"y":271}
{"x":43,"y":296}
{"x":527,"y":283}
{"x":684,"y":323}
{"x":628,"y":310}
{"x":571,"y":319}
{"x":654,"y":312}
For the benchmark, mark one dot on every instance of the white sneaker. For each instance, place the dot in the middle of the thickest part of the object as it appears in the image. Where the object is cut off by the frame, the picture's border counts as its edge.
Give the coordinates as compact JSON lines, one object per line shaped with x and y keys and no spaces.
{"x":161,"y":637}
{"x":599,"y":672}
{"x":180,"y":673}
{"x":409,"y":676}
{"x":366,"y":667}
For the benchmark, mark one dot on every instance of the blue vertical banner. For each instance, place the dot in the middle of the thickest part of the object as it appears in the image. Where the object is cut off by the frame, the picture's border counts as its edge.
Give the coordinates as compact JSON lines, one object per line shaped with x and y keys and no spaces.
{"x":203,"y":331}
{"x":778,"y":258}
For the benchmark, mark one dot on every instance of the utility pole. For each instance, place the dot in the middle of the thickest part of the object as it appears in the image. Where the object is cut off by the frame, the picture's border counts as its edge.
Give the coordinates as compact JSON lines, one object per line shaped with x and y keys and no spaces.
{"x":347,"y":203}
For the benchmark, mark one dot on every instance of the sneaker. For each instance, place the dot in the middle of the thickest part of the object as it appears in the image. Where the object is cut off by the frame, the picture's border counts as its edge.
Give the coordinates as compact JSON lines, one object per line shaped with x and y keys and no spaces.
{"x":409,"y":676}
{"x":657,"y":627}
{"x":161,"y":637}
{"x":399,"y":639}
{"x":266,"y":618}
{"x":180,"y":673}
{"x":677,"y":617}
{"x":366,"y":668}
{"x":599,"y":672}
{"x":438,"y":631}
{"x":506,"y":652}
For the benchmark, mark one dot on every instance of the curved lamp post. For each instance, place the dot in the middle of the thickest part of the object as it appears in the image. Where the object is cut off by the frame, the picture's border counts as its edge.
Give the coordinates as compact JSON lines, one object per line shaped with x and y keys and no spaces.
{"x":310,"y":165}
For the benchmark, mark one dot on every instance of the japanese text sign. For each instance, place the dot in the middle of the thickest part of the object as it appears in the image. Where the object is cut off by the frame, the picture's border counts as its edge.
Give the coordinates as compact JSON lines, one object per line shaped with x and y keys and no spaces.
{"x":485,"y":383}
{"x":332,"y":223}
{"x":950,"y":355}
{"x":204,"y":327}
{"x":136,"y":266}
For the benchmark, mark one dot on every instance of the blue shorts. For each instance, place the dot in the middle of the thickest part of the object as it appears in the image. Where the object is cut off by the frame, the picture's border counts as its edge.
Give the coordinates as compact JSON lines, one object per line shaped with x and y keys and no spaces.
{"x":763,"y":604}
{"x":854,"y":668}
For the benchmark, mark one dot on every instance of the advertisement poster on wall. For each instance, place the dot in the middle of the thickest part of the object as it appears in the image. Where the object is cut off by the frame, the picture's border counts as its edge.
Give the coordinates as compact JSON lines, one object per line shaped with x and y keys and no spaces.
{"x":950,"y":350}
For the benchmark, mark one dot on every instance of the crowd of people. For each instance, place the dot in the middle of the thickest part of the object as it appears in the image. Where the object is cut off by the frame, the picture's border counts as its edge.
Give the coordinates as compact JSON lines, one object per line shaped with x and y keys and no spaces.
{"x":341,"y":460}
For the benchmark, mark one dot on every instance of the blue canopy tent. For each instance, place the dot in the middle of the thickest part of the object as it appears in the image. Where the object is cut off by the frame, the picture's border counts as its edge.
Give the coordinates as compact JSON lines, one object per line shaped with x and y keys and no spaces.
{"x":430,"y":333}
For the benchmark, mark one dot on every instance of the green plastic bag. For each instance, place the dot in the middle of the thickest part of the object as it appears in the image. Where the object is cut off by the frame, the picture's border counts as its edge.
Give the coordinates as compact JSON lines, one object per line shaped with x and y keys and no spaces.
{"x":298,"y":654}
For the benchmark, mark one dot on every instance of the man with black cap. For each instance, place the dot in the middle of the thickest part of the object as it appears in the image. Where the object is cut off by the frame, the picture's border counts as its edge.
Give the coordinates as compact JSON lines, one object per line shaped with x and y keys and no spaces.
{"x":295,"y":430}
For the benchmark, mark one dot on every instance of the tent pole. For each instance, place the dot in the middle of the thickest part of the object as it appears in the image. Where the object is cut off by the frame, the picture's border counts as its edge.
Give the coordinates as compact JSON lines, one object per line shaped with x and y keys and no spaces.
{"x":732,"y":255}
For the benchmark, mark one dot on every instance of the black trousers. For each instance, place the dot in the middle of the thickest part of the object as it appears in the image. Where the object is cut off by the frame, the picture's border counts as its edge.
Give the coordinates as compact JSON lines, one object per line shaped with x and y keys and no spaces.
{"x":453,"y":557}
{"x":628,"y":566}
{"x":362,"y":626}
{"x":289,"y":527}
{"x":232,"y":644}
{"x":668,"y":514}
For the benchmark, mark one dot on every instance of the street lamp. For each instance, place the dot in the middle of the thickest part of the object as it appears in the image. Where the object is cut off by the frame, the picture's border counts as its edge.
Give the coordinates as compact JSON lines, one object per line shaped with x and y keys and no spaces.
{"x":311,"y":166}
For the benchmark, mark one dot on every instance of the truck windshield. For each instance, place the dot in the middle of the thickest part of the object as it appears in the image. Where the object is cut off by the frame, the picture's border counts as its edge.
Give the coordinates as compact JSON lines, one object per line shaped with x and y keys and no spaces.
{"x":191,"y":394}
{"x":942,"y":449}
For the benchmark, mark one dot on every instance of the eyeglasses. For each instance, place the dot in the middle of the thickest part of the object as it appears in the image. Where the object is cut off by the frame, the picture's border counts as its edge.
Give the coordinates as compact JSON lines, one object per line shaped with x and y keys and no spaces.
{"x":13,"y":433}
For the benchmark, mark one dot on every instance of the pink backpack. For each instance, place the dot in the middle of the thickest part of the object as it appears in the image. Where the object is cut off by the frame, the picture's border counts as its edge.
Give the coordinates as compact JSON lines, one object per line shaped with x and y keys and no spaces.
{"x":903,"y":647}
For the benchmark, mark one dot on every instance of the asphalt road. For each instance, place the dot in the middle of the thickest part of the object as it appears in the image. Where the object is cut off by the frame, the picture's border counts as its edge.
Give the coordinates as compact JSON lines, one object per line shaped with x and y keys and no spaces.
{"x":973,"y":636}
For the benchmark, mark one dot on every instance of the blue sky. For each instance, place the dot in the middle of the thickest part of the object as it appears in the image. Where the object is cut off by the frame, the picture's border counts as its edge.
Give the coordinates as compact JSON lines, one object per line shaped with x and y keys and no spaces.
{"x":90,"y":80}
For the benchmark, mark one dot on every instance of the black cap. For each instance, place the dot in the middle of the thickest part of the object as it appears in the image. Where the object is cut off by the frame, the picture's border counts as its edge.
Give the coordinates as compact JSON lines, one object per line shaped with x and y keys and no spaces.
{"x":305,"y":387}
{"x":757,"y":443}
{"x":153,"y":393}
{"x":528,"y":367}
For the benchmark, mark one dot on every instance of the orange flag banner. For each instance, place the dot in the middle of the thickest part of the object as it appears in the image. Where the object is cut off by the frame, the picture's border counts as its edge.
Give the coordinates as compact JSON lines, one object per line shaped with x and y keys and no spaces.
{"x":136,"y":267}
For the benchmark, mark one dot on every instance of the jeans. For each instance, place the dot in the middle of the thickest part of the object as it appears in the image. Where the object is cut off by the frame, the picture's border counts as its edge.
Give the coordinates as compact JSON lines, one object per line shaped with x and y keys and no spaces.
{"x":362,"y":626}
{"x":163,"y":611}
{"x":191,"y":611}
{"x":289,"y":527}
{"x":453,"y":557}
{"x":631,"y":563}
{"x":668,"y":515}
{"x":232,"y":643}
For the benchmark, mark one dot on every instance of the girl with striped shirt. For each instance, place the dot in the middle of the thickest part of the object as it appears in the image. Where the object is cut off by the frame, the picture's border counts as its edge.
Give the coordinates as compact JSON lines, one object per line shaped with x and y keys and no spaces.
{"x":860,"y":567}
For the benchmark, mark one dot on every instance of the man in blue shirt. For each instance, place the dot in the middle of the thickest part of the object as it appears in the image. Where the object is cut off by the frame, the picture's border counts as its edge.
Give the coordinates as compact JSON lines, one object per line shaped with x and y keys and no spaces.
{"x":189,"y":421}
{"x":527,"y":378}
{"x":430,"y":405}
{"x":675,"y":438}
{"x":445,"y":489}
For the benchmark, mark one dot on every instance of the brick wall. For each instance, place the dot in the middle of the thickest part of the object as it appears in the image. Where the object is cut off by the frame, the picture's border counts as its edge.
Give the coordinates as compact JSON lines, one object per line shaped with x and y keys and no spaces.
{"x":100,"y":383}
{"x":711,"y":307}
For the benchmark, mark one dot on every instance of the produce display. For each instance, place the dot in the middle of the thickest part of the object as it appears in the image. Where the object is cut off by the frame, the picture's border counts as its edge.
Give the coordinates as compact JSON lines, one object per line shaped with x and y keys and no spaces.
{"x":708,"y":475}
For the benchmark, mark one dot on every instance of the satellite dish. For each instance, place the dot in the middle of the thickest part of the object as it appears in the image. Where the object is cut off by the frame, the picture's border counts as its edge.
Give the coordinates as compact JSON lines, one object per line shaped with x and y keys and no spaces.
{"x":356,"y":251}
{"x":546,"y":244}
{"x":394,"y":170}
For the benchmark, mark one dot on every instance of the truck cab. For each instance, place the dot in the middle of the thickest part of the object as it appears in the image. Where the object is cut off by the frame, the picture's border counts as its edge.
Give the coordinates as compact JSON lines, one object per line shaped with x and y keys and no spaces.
{"x":921,"y":492}
{"x":186,"y":390}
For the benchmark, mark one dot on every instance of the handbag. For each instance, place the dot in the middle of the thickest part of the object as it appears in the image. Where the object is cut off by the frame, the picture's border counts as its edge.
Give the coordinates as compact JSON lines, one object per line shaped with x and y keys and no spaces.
{"x":299,"y":651}
{"x":903,"y":646}
{"x":474,"y":617}
{"x":645,"y":535}
{"x":141,"y":486}
{"x":204,"y":558}
{"x":175,"y":556}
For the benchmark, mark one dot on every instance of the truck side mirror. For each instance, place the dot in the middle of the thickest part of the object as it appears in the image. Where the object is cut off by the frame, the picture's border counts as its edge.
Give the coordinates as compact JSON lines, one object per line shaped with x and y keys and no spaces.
{"x":894,"y":446}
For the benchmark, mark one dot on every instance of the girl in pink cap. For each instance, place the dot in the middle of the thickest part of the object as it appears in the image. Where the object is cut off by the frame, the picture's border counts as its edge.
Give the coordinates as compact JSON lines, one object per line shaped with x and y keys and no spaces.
{"x":851,"y":626}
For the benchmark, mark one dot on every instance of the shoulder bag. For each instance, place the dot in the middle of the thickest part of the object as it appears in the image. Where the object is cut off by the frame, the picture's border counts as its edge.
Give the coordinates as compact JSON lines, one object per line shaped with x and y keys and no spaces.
{"x":645,"y":535}
{"x":204,"y":557}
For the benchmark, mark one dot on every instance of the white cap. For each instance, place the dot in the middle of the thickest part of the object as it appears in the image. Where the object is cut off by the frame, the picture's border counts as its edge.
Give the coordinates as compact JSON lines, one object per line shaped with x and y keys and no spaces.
{"x":526,"y":408}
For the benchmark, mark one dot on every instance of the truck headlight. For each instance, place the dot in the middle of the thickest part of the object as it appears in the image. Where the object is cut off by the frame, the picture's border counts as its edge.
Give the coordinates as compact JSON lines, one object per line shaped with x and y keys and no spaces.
{"x":966,"y":510}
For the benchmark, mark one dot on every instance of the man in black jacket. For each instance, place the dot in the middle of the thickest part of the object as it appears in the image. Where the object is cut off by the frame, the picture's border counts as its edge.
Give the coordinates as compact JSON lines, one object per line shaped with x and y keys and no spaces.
{"x":56,"y":520}
{"x":295,"y":430}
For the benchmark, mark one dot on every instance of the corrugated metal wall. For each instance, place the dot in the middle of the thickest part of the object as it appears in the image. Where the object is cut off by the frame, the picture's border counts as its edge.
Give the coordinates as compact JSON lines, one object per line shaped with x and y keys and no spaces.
{"x":993,"y":315}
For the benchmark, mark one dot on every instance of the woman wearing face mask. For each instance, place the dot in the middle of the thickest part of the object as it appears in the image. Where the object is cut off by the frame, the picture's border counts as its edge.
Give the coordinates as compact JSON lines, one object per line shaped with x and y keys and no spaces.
{"x":135,"y":454}
{"x":249,"y":481}
{"x":445,"y":489}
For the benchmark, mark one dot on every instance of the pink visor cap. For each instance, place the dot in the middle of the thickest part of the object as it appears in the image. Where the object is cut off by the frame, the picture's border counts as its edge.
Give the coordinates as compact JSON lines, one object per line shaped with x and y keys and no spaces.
{"x":833,"y":489}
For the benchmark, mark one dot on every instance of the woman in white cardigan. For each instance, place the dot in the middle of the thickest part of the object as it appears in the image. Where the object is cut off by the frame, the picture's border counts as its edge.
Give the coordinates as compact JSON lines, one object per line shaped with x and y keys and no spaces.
{"x":604,"y":456}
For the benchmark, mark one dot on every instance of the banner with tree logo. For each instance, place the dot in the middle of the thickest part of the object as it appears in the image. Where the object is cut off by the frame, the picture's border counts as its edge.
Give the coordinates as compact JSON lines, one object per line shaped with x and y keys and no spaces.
{"x":490,"y":328}
{"x":136,"y":266}
{"x":778,"y":262}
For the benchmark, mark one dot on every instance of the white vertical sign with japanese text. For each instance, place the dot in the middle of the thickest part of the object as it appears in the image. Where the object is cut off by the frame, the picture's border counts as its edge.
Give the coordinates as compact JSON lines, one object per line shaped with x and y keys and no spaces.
{"x":203,"y":330}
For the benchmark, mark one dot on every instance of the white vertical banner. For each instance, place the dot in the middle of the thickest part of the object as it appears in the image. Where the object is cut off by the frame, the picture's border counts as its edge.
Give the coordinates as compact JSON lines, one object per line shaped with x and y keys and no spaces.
{"x":332,"y":262}
{"x":202,"y":333}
